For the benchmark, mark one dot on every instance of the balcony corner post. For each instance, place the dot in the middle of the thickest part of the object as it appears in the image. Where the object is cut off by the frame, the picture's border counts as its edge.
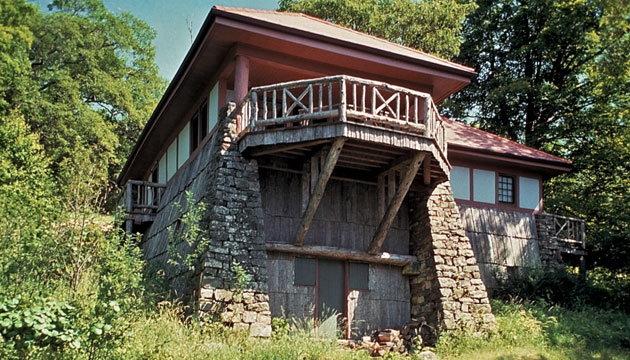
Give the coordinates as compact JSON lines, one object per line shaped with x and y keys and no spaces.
{"x":342,"y":100}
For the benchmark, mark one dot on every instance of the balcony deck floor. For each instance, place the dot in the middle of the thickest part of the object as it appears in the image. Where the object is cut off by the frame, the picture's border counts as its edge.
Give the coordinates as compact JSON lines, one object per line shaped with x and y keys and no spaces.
{"x":369,"y":149}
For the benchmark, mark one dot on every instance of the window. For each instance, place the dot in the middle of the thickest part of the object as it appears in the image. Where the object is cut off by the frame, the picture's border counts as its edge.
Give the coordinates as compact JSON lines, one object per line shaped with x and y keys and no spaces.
{"x":203,"y":121}
{"x":194,"y":133}
{"x":506,"y":189}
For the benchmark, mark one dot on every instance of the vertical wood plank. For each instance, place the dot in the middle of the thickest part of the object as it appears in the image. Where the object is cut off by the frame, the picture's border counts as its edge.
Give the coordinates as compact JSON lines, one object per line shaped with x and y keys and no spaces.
{"x":316,"y":197}
{"x":380,"y":194}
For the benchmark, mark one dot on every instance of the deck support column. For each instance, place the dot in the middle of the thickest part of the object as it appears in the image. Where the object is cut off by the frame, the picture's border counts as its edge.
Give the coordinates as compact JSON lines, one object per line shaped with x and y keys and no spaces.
{"x":241,"y":77}
{"x":318,"y":190}
{"x":394,"y":204}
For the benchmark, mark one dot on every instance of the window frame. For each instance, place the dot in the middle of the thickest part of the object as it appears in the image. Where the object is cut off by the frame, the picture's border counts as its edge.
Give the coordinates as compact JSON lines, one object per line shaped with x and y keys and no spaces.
{"x":514,"y":189}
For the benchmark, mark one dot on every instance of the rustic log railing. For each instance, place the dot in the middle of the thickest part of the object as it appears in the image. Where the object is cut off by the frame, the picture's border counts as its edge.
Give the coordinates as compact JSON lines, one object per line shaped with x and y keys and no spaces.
{"x":143,"y":197}
{"x":568,"y":231}
{"x":341,"y":99}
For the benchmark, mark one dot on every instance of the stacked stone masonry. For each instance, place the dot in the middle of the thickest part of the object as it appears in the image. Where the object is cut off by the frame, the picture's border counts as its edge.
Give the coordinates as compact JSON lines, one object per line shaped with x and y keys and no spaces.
{"x":236,"y":229}
{"x":449,"y":291}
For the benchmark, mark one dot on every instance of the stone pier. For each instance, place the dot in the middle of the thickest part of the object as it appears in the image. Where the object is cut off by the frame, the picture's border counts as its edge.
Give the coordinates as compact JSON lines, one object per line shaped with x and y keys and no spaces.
{"x":448,"y":293}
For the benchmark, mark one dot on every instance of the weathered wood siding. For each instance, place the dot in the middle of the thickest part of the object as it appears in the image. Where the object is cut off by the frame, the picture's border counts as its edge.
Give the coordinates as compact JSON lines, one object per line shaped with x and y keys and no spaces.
{"x":193,"y":177}
{"x":500,"y":239}
{"x":347,"y":216}
{"x":385,"y":305}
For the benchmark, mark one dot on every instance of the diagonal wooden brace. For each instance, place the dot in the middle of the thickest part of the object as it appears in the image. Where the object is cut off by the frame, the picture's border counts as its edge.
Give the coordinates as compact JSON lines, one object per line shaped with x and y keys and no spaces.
{"x":318,"y":192}
{"x":394,"y":205}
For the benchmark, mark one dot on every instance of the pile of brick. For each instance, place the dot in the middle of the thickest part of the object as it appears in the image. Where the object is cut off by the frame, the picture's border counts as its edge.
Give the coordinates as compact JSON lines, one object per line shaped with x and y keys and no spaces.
{"x":399,"y":340}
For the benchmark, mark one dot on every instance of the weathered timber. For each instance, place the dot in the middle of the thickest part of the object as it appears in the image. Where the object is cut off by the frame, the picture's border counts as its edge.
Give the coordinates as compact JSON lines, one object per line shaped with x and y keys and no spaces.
{"x":343,"y":254}
{"x":394,"y":205}
{"x":276,"y":148}
{"x":426,"y":171}
{"x":318,"y":192}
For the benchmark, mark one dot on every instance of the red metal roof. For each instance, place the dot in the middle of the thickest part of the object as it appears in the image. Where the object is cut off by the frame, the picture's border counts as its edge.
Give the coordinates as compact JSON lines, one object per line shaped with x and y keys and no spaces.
{"x":461,"y":135}
{"x":308,"y":24}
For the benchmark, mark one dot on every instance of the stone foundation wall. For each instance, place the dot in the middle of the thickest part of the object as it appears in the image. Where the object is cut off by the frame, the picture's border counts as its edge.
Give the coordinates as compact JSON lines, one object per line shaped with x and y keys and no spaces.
{"x":449,"y":291}
{"x":236,"y":229}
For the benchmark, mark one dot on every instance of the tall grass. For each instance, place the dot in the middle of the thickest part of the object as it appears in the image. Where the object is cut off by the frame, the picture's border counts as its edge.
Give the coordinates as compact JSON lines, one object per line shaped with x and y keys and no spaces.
{"x":537,"y":330}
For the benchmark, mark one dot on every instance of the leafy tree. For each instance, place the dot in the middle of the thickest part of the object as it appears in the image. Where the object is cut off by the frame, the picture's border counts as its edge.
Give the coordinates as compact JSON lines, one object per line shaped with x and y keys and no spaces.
{"x":555,"y":74}
{"x":15,"y":42}
{"x":90,"y":84}
{"x":433,"y":26}
{"x":541,"y":65}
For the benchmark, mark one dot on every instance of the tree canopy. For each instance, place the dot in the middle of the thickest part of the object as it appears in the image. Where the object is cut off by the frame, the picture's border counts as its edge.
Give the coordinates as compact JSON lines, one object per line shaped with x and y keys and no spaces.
{"x":82,"y":76}
{"x":433,"y":26}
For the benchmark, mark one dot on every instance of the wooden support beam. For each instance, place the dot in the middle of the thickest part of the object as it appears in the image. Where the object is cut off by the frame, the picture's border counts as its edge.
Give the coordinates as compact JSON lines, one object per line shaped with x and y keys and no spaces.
{"x":318,"y":192}
{"x":344,"y":254}
{"x":284,"y":147}
{"x":426,"y":170}
{"x":394,"y":205}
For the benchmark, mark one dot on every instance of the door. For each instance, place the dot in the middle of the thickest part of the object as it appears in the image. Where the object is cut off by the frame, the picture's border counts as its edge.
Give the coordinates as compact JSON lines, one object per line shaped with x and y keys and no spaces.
{"x":331,"y":288}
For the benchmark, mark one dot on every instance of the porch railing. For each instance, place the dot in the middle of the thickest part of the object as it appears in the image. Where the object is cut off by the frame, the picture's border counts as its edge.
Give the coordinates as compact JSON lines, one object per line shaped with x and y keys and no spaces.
{"x":341,"y":99}
{"x":568,"y":231}
{"x":143,"y":197}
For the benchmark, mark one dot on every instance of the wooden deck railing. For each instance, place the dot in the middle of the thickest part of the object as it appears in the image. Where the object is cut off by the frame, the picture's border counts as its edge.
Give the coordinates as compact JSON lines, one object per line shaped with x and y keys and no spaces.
{"x":343,"y":99}
{"x":568,"y":231}
{"x":142,"y":197}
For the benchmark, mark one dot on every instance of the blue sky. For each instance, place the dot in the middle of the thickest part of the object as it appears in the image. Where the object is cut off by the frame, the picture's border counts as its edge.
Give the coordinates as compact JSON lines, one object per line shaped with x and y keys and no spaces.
{"x":169,"y":19}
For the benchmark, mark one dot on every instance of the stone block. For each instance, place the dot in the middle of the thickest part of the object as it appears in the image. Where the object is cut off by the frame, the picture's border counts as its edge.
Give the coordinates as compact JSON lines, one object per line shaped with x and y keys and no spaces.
{"x":223,"y":295}
{"x":249,"y":317}
{"x":260,"y":330}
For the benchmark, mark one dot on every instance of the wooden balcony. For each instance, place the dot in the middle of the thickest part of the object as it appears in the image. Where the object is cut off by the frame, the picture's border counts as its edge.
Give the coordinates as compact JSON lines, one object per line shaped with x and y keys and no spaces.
{"x":141,"y":200}
{"x":569,"y":233}
{"x":381,"y":124}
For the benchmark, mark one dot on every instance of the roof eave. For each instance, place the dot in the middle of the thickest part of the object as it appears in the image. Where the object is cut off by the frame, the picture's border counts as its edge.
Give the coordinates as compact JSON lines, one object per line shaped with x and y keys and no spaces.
{"x":553,"y":167}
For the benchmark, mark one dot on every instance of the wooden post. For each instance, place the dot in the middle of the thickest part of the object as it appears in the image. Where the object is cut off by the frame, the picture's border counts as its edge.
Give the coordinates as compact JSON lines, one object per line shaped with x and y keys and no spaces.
{"x":254,"y":111}
{"x":394,"y":205}
{"x":342,"y":100}
{"x":318,"y":193}
{"x":427,"y":119}
{"x":129,"y":207}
